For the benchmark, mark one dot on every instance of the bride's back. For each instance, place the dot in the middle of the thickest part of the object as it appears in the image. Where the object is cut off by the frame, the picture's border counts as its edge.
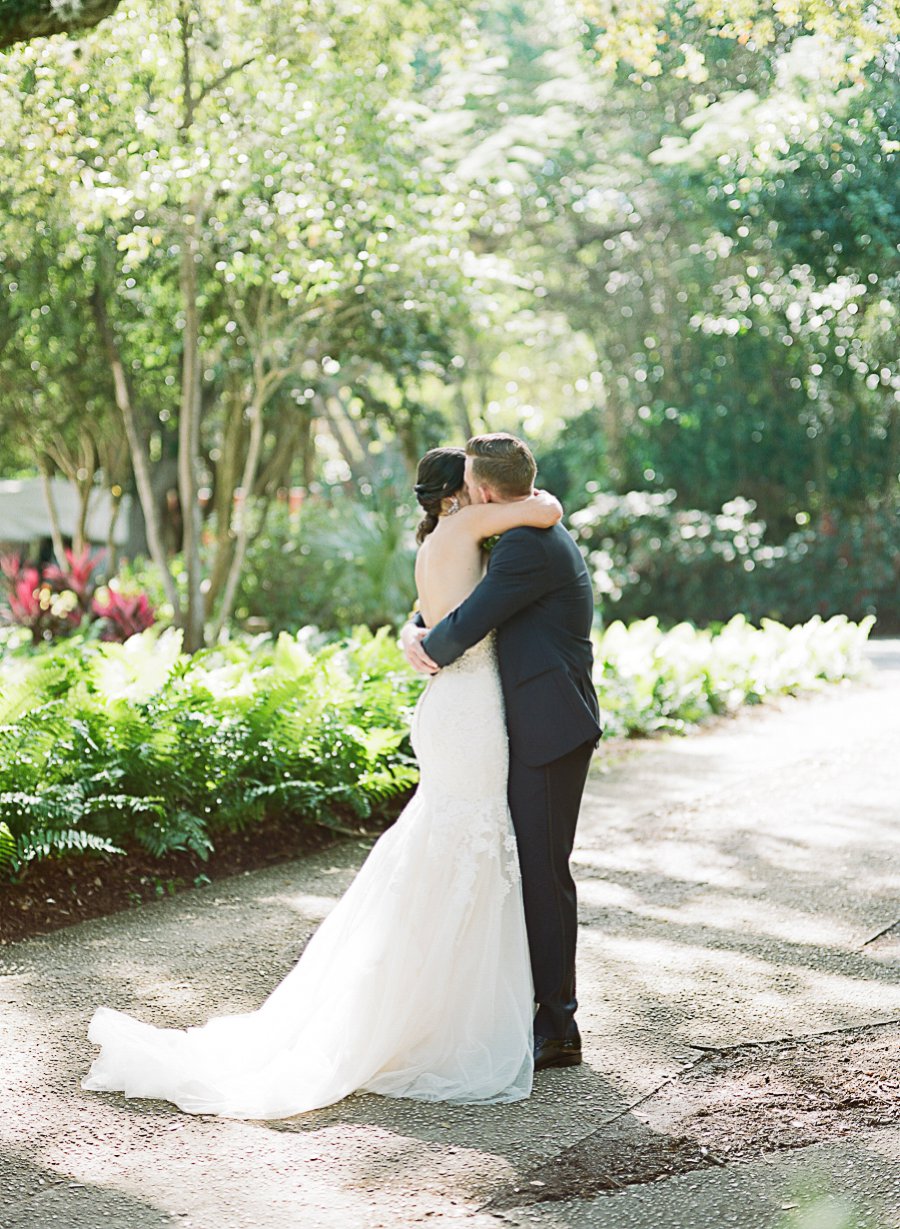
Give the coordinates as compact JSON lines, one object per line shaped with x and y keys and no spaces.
{"x":449,"y":565}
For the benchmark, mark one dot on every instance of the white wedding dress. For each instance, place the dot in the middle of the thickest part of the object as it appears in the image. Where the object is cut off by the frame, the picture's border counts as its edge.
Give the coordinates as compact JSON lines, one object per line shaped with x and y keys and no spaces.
{"x":417,"y":984}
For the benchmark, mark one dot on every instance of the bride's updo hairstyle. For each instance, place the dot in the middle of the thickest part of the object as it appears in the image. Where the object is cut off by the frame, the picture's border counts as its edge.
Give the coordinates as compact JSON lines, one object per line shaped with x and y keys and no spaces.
{"x":440,"y":475}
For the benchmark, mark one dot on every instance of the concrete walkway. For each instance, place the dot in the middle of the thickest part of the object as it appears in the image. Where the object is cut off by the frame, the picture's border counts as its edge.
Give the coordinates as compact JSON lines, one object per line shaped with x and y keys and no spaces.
{"x":731,"y":886}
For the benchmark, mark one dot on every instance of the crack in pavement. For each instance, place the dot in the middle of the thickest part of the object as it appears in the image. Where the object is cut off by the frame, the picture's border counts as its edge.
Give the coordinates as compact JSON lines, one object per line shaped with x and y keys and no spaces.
{"x":786,"y":1040}
{"x":881,"y":933}
{"x":731,"y":1105}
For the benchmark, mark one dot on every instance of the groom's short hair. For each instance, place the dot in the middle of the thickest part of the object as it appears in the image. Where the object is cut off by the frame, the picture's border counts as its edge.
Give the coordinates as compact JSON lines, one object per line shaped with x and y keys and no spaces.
{"x":502,"y":462}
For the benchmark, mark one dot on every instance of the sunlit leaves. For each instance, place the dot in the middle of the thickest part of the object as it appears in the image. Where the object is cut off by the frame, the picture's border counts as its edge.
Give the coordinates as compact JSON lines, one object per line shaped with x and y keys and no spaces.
{"x":650,"y":679}
{"x":292,"y":148}
{"x":648,"y":35}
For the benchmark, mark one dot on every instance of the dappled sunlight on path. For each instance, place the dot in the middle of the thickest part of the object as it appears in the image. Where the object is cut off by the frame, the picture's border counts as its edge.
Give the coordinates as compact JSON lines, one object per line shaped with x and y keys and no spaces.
{"x":732,"y":897}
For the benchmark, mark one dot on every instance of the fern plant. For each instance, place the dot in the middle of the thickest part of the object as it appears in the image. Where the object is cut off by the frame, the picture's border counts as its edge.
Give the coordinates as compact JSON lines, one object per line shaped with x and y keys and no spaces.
{"x":138,"y":743}
{"x":45,"y":842}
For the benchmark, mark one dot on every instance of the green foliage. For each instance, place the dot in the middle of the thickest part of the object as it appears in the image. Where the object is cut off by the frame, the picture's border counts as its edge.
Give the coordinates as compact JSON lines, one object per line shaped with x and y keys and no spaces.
{"x":8,"y":845}
{"x":653,"y":39}
{"x":42,"y":843}
{"x":722,"y":242}
{"x":346,"y":560}
{"x":140,"y":743}
{"x":651,"y":680}
{"x":325,"y":242}
{"x":650,"y":557}
{"x":661,"y":242}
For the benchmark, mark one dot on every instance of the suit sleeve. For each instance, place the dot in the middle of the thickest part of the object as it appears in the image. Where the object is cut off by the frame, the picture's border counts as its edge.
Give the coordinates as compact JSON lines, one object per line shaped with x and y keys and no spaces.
{"x":518,"y":574}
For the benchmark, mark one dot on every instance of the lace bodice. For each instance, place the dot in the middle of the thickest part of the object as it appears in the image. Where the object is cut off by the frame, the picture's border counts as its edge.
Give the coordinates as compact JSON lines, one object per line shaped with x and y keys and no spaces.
{"x":459,"y":736}
{"x":479,"y":657}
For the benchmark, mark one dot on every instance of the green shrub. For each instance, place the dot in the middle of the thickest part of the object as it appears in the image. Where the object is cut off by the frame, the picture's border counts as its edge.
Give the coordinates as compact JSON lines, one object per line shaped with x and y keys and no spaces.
{"x":140,"y":742}
{"x":346,"y":560}
{"x":651,"y":558}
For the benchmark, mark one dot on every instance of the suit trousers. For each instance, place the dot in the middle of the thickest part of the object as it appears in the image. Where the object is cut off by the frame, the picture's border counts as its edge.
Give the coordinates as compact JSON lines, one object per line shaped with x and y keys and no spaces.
{"x":544,"y":803}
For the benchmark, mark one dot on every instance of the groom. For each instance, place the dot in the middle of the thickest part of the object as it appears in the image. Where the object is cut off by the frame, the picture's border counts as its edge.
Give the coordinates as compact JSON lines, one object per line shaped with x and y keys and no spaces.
{"x":537,"y":593}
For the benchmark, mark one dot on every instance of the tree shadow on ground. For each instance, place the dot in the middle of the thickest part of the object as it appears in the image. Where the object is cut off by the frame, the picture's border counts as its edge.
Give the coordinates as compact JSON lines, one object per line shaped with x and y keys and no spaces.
{"x":35,"y":1197}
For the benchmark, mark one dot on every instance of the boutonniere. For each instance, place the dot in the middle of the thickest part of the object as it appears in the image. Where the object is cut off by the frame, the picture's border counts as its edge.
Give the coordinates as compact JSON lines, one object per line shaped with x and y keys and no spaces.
{"x":489,"y":543}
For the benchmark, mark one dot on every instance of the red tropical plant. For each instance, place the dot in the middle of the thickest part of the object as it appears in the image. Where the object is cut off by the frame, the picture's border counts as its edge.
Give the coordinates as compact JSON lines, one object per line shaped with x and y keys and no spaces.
{"x":78,"y":576}
{"x":123,"y":614}
{"x":57,"y":600}
{"x":34,"y":604}
{"x":23,"y":586}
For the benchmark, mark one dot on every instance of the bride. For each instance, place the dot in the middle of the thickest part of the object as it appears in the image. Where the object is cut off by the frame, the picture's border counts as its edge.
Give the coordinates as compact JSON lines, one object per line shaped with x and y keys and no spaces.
{"x":418,"y":983}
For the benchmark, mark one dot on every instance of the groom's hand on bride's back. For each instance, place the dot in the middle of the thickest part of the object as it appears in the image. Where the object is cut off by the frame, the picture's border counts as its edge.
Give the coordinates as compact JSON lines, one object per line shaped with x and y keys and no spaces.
{"x":411,"y":638}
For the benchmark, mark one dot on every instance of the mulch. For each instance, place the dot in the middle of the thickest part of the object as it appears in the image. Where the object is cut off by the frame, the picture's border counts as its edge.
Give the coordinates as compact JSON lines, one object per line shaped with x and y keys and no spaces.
{"x":59,"y":892}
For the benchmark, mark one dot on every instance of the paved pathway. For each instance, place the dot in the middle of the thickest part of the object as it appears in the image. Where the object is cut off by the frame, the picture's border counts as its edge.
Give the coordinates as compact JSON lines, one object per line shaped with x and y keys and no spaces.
{"x":731,"y":886}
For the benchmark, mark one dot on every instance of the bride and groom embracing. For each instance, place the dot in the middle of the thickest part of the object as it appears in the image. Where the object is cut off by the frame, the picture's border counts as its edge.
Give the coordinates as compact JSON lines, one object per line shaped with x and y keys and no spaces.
{"x":446,"y":972}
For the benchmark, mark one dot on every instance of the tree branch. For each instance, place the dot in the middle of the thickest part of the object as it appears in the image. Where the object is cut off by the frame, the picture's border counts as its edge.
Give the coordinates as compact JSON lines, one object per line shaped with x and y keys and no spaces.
{"x":221,"y":79}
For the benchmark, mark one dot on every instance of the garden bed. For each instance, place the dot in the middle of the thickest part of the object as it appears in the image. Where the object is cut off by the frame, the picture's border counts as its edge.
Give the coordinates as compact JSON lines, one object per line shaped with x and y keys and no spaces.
{"x":732,"y":1106}
{"x":58,"y":892}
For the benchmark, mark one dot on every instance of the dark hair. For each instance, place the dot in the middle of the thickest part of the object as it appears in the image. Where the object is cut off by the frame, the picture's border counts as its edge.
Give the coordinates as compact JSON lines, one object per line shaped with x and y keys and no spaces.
{"x":503,"y":463}
{"x":441,"y":473}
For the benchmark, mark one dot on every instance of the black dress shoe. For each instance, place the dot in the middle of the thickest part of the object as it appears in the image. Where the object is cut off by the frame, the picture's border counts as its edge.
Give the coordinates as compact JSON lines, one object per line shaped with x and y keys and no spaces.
{"x":556,"y":1052}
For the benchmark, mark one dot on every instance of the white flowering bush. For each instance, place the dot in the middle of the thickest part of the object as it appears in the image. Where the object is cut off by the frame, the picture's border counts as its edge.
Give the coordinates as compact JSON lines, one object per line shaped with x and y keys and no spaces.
{"x":649,"y":679}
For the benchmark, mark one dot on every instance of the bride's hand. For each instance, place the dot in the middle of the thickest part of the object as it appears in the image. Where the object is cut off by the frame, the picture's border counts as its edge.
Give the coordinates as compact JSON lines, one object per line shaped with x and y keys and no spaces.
{"x":411,"y":638}
{"x":548,"y":504}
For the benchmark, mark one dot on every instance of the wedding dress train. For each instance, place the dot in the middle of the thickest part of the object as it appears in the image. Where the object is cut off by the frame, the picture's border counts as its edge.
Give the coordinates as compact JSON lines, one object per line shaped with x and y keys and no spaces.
{"x":417,"y":984}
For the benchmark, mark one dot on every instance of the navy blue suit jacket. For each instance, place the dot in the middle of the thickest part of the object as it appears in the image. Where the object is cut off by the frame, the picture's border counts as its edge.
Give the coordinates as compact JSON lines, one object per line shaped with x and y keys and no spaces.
{"x":537,"y":593}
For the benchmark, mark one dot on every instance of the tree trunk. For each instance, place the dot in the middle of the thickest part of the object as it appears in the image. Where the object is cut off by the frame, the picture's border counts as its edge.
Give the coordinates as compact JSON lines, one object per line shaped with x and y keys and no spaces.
{"x":308,"y":452}
{"x":189,"y":433}
{"x":79,"y":468}
{"x":892,"y":474}
{"x":112,"y":453}
{"x":79,"y":537}
{"x":462,"y":410}
{"x":139,"y":460}
{"x":112,"y":554}
{"x":190,"y":409}
{"x":227,"y":478}
{"x":53,"y":513}
{"x":275,"y":471}
{"x":84,"y":484}
{"x":410,"y":443}
{"x":243,"y":517}
{"x":333,"y":420}
{"x":354,"y":429}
